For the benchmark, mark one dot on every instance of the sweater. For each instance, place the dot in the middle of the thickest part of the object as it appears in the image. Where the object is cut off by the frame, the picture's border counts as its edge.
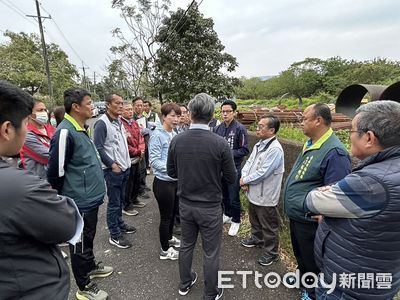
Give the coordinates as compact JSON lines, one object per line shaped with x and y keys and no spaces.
{"x":200,"y":159}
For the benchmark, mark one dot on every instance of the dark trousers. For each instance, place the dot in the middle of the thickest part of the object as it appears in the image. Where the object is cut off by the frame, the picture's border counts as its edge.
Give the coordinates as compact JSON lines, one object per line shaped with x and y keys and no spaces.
{"x":165,"y":194}
{"x":231,"y":198}
{"x":146,"y":153}
{"x":82,"y":256}
{"x":264,"y":222}
{"x":303,"y":236}
{"x":207,"y":221}
{"x":116,"y":185}
{"x":142,"y":176}
{"x":132,"y":186}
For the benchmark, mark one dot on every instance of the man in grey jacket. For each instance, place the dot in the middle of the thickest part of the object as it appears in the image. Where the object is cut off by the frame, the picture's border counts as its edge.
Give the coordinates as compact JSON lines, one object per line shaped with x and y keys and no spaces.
{"x":111,"y":142}
{"x":261,"y":179}
{"x":33,"y":219}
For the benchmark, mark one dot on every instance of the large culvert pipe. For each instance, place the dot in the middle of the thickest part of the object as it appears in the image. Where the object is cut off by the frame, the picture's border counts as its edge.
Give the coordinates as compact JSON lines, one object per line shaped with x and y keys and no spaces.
{"x":392,"y":92}
{"x":350,"y":98}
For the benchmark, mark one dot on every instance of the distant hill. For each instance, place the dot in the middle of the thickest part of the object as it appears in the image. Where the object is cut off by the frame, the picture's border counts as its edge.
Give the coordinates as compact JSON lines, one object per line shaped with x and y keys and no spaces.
{"x":263,"y":78}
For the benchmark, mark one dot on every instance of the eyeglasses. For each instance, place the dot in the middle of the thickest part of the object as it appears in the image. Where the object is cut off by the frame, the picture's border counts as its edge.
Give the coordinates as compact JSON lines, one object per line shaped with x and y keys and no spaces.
{"x":226,"y":111}
{"x":259,"y":127}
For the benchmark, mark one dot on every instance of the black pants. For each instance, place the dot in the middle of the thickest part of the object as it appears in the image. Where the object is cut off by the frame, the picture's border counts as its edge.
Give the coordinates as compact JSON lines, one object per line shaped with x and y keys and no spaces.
{"x":208,"y":221}
{"x":303,"y":236}
{"x":132,"y":187}
{"x":264,"y":222}
{"x":82,"y":256}
{"x":142,"y":176}
{"x":146,"y":153}
{"x":165,"y":194}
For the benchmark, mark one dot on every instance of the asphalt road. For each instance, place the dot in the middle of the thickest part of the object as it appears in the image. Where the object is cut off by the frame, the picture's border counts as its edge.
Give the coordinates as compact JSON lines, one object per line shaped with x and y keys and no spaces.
{"x":140,"y":274}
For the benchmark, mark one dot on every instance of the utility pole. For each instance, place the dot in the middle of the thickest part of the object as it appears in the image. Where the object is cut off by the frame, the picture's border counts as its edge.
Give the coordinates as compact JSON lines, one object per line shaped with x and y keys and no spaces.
{"x":45,"y":57}
{"x":94,"y":82}
{"x":84,"y":82}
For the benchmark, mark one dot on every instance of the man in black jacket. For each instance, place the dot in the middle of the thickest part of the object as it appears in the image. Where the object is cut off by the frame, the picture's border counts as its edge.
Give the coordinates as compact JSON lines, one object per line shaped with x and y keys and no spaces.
{"x":199,"y":158}
{"x":33,"y":219}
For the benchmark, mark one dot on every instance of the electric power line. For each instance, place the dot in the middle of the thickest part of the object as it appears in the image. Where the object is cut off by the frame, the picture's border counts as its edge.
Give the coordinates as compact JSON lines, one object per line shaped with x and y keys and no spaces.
{"x":64,"y":36}
{"x":17,"y":10}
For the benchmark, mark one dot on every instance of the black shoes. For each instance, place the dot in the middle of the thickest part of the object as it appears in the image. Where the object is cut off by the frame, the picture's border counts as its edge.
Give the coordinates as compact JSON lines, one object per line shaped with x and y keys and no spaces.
{"x":185,"y":291}
{"x":120,"y":242}
{"x":251,"y":242}
{"x":267,"y":260}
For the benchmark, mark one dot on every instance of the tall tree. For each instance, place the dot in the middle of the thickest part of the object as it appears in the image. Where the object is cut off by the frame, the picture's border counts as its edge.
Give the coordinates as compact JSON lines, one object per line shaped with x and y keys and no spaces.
{"x":191,"y":58}
{"x":135,"y":53}
{"x":21,"y":63}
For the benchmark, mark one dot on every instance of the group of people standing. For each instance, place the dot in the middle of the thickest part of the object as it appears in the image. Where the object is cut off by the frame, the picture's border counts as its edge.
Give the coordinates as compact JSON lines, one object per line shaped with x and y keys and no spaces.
{"x":340,"y":221}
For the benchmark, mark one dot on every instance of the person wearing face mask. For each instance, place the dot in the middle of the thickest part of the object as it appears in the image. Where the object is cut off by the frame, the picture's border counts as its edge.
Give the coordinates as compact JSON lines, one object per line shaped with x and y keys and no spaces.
{"x":35,"y":151}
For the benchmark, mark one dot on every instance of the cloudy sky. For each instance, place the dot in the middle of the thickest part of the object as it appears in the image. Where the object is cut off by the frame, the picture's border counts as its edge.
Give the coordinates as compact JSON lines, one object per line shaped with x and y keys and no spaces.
{"x":264,"y":36}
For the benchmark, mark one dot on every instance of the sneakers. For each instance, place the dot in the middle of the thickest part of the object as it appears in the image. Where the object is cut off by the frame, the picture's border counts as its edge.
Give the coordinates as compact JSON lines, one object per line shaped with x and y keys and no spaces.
{"x":120,"y":242}
{"x":304,"y":295}
{"x":186,"y":290}
{"x":130,"y":212}
{"x":251,"y":242}
{"x":100,"y":271}
{"x":148,"y":171}
{"x":233,"y":230}
{"x":267,"y":260}
{"x":139,"y":204}
{"x":226,"y":219}
{"x":91,"y":292}
{"x":171,"y":254}
{"x":220,"y":294}
{"x":174,"y":242}
{"x":128,"y":229}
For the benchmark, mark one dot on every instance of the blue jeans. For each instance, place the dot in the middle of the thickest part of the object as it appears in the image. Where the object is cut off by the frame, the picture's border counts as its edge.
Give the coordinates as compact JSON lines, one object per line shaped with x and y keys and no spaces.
{"x":116,"y":184}
{"x":231,"y":198}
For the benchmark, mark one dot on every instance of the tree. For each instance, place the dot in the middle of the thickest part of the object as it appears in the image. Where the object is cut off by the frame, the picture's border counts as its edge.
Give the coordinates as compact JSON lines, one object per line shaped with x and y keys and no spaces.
{"x":21,"y":63}
{"x":302,"y":79}
{"x":190,"y":59}
{"x":135,"y":54}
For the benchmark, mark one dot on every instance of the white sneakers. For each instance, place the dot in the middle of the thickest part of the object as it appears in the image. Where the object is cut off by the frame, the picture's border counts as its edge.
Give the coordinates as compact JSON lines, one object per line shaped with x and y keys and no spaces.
{"x":233,"y":230}
{"x":174,"y":242}
{"x":171,"y":254}
{"x":226,"y":219}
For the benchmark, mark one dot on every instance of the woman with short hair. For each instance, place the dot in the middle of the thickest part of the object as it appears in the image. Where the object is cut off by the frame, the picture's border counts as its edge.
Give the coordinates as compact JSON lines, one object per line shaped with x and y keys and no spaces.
{"x":165,"y":187}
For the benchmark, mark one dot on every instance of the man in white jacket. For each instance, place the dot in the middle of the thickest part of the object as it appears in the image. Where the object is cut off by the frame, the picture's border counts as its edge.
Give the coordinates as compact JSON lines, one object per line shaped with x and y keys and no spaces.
{"x":261,"y":180}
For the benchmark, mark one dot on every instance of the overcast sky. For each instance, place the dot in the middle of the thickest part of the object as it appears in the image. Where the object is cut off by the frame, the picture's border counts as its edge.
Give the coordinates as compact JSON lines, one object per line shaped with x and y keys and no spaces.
{"x":264,"y":36}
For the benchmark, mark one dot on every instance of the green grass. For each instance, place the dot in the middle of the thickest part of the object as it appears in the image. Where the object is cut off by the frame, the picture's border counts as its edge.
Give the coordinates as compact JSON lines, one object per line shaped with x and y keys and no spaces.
{"x":290,"y":132}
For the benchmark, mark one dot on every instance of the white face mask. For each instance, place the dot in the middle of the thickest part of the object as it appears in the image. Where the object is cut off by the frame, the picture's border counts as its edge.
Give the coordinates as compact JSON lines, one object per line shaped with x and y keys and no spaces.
{"x":42,"y":117}
{"x":53,"y":122}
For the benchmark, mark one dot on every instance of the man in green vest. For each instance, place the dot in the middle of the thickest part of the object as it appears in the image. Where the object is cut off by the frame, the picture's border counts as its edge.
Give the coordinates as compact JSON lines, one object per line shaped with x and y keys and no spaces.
{"x":75,"y":170}
{"x":323,"y":161}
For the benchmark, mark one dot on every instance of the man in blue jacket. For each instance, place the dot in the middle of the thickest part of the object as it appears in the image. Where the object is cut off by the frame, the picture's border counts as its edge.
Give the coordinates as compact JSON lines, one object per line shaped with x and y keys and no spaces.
{"x":236,"y":136}
{"x":74,"y":170}
{"x":359,"y":237}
